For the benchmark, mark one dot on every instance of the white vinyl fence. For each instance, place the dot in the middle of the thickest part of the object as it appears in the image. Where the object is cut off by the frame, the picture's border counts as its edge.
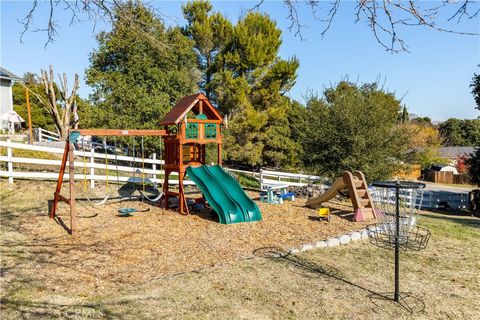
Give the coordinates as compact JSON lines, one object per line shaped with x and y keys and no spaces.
{"x":91,"y":163}
{"x":272,"y":178}
{"x":87,"y":160}
{"x":43,"y":135}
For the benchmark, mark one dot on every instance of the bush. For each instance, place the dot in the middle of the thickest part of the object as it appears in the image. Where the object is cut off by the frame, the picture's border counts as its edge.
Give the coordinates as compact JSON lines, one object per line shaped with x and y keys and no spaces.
{"x":473,"y":164}
{"x":355,"y":128}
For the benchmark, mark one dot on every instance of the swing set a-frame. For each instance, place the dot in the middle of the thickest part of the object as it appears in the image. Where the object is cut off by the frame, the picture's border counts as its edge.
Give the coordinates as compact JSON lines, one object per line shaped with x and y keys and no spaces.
{"x":184,"y":138}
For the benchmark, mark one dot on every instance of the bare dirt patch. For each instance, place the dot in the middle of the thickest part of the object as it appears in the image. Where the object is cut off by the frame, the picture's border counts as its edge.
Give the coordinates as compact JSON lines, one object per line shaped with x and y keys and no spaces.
{"x":111,"y":251}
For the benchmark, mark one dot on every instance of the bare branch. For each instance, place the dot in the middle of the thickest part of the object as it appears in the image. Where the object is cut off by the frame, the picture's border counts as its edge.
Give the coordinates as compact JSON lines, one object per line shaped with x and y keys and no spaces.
{"x":27,"y":20}
{"x":257,"y":6}
{"x":385,"y":17}
{"x":39,"y":97}
{"x":331,"y":14}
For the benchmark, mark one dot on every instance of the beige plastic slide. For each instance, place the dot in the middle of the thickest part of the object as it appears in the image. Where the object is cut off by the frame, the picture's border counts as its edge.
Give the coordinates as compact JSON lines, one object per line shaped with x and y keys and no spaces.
{"x":357,"y":188}
{"x":337,"y":186}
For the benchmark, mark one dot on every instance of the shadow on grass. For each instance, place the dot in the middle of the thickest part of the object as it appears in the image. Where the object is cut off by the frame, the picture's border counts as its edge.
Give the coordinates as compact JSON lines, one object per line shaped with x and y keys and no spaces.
{"x":311,"y":269}
{"x":462,"y":220}
{"x":60,"y":222}
{"x":26,"y":309}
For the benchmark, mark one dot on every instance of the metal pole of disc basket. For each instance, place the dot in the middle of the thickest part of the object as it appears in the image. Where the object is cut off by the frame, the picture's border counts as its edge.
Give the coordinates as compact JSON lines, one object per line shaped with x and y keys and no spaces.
{"x":397,"y":204}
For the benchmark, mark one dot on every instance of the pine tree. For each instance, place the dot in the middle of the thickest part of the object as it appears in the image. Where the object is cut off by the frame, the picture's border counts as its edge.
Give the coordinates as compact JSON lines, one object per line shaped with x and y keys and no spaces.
{"x":139,"y":71}
{"x":210,"y":33}
{"x":247,"y":81}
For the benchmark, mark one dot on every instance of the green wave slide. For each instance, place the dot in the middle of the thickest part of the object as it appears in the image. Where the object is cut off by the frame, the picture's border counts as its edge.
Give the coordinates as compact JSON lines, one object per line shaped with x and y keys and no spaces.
{"x":224,"y":195}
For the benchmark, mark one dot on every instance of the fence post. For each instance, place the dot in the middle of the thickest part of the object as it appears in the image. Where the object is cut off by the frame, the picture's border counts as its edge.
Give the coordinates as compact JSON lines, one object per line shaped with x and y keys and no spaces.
{"x":261,"y":179}
{"x":39,"y":134}
{"x":92,"y":169}
{"x":154,"y":168}
{"x":10,"y":163}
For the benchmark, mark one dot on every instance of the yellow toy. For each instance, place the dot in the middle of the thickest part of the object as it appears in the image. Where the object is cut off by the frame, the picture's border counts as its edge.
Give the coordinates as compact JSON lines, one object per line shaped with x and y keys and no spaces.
{"x":324,"y":214}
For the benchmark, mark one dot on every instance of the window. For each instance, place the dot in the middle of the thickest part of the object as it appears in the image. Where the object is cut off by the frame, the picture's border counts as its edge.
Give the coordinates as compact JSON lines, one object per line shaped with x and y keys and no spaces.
{"x":210,"y":130}
{"x":192,"y":130}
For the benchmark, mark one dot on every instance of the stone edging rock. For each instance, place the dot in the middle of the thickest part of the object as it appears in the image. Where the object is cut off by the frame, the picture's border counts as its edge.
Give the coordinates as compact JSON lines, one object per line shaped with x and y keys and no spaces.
{"x":332,"y":242}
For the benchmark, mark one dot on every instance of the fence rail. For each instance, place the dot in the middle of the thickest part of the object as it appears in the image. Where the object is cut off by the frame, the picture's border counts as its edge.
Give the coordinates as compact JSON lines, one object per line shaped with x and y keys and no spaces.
{"x":272,"y":178}
{"x":45,"y":135}
{"x":95,"y":165}
{"x":88,"y":161}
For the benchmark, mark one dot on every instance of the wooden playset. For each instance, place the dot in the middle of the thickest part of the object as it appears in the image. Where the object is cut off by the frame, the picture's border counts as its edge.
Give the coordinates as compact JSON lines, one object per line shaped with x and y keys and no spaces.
{"x":191,"y":124}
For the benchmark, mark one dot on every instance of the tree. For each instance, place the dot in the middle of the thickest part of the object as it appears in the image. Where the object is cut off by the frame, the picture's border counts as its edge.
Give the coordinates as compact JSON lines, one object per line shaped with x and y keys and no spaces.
{"x":40,"y":116}
{"x":137,"y":79}
{"x":355,"y":128}
{"x":384,"y":18}
{"x":404,"y":116}
{"x":473,"y":163}
{"x":243,"y":76}
{"x":422,"y":121}
{"x":210,"y":33}
{"x":475,"y":85}
{"x":59,"y":102}
{"x":249,"y":86}
{"x":424,"y":141}
{"x":458,"y":132}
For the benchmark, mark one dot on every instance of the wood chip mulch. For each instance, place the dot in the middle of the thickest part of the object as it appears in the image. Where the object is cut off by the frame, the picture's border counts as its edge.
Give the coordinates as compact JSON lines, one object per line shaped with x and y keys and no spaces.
{"x":111,"y":251}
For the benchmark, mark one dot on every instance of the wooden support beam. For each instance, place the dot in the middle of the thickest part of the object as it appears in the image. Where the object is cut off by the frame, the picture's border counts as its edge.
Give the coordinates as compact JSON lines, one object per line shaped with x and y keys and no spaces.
{"x":219,"y":154}
{"x":30,"y":130}
{"x":62,"y":198}
{"x":60,"y":179}
{"x":73,"y":211}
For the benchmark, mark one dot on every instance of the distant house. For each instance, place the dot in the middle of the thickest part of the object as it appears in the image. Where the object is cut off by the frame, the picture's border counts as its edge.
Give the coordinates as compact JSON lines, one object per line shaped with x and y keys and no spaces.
{"x":9,"y":119}
{"x":453,"y":153}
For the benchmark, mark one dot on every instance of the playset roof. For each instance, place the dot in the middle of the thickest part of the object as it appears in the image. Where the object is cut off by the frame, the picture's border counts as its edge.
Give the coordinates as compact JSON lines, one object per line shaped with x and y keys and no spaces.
{"x":191,"y":102}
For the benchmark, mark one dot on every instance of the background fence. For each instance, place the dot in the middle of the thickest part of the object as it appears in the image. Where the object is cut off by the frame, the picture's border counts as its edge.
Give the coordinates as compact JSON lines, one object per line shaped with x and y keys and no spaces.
{"x":95,"y":165}
{"x":42,"y":135}
{"x":446,"y":177}
{"x":271,"y":178}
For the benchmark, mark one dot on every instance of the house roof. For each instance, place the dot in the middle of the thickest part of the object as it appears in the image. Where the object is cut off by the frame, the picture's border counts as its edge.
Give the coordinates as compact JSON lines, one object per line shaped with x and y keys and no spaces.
{"x":5,"y":74}
{"x":184,"y":105}
{"x":454,"y":152}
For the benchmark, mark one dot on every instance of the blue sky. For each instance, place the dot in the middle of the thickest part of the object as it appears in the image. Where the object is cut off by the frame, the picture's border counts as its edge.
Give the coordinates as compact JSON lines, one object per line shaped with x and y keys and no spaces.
{"x":433,"y":78}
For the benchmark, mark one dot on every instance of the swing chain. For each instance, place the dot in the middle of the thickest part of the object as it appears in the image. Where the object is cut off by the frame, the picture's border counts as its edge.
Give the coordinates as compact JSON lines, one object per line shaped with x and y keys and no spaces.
{"x":143,"y":167}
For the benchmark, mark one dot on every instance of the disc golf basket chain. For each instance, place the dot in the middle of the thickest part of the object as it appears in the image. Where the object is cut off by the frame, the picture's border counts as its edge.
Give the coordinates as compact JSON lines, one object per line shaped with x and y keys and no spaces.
{"x":397,"y":204}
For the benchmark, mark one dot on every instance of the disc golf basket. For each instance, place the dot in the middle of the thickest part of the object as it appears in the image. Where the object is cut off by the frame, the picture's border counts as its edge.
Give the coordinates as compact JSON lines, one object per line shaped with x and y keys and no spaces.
{"x":397,"y":204}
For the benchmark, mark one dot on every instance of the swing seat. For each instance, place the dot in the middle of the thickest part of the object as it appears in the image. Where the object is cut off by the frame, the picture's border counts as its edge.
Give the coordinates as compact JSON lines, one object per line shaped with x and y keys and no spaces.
{"x":126,"y":210}
{"x":101,"y":203}
{"x":156,"y":199}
